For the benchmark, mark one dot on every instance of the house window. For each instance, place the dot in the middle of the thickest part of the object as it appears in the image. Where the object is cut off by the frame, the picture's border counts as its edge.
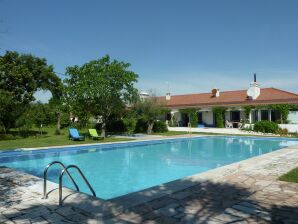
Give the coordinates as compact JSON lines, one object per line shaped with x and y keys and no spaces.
{"x":275,"y":115}
{"x":255,"y":116}
{"x":235,"y":116}
{"x":264,"y":115}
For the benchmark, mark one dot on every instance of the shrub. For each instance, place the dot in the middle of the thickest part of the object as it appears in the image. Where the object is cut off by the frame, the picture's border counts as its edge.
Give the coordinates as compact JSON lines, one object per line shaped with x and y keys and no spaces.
{"x":141,"y":126}
{"x":116,"y":126}
{"x":266,"y":127}
{"x":64,"y":120}
{"x":160,"y":126}
{"x":7,"y":137}
{"x":129,"y":124}
{"x":283,"y":131}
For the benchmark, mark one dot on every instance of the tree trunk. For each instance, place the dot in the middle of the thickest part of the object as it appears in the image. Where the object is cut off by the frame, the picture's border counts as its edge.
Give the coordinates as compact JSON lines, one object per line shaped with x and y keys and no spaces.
{"x":103,"y":130}
{"x":58,"y":123}
{"x":4,"y":129}
{"x":150,"y":127}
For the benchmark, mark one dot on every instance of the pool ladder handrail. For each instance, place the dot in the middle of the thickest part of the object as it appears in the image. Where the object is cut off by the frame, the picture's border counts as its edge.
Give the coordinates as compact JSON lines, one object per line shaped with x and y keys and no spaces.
{"x":65,"y":170}
{"x":82,"y":175}
{"x":45,"y":175}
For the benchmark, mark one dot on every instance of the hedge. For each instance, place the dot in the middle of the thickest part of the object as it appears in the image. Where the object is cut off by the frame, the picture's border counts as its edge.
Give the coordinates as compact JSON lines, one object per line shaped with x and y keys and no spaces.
{"x":266,"y":127}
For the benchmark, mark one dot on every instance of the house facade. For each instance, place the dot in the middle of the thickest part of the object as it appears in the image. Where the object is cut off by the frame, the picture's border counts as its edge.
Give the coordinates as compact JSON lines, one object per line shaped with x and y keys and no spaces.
{"x":260,"y":102}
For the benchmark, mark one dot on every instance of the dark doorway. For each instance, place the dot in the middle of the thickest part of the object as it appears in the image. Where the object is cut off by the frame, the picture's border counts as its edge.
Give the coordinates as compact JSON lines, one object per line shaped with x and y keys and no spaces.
{"x":185,"y":120}
{"x":235,"y":116}
{"x":168,"y":116}
{"x":200,"y":117}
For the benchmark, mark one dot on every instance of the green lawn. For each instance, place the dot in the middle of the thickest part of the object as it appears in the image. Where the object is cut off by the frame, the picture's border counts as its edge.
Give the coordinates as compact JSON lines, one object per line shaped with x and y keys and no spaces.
{"x":291,"y":176}
{"x":50,"y":139}
{"x":170,"y":133}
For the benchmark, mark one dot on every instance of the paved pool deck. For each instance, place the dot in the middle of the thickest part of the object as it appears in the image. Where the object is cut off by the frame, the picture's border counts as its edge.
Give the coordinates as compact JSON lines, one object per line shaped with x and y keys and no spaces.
{"x":243,"y":192}
{"x":222,"y":131}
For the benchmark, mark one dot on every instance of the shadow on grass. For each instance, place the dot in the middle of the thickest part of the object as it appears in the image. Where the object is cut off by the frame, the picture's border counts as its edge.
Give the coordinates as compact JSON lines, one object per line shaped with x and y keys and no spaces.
{"x":182,"y":201}
{"x":14,"y":134}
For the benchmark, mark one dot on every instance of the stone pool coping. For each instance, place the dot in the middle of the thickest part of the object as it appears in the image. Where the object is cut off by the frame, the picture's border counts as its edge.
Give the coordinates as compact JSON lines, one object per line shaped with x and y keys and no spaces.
{"x":155,"y":138}
{"x":102,"y":209}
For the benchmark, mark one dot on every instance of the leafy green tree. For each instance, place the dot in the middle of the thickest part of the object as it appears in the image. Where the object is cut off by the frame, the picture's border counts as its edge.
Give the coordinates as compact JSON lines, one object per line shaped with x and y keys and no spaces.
{"x":41,"y":114}
{"x":24,"y":123}
{"x":21,"y":75}
{"x":100,"y":88}
{"x":60,"y":111}
{"x":149,"y":110}
{"x":6,"y":117}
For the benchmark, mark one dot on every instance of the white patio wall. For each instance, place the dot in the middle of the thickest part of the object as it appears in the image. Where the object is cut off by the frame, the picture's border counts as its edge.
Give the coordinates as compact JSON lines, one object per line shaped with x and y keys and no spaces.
{"x":291,"y":127}
{"x":208,"y":117}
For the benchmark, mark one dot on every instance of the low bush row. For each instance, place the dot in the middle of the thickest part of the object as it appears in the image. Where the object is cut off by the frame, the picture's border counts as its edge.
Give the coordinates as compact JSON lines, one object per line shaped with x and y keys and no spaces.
{"x":269,"y":127}
{"x":131,"y":125}
{"x":266,"y":127}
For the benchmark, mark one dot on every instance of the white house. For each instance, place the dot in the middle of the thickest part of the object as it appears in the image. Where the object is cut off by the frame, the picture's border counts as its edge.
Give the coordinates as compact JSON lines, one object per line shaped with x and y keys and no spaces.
{"x":259,"y":100}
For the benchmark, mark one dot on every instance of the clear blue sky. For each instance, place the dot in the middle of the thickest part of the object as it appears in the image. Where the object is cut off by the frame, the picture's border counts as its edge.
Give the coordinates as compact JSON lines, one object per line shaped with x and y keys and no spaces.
{"x":193,"y":45}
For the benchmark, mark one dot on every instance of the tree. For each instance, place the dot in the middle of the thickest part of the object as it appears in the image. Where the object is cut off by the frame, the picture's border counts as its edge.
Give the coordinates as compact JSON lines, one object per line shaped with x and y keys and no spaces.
{"x":21,"y":75}
{"x":41,"y":114}
{"x":100,"y":88}
{"x":58,"y":109}
{"x":149,"y":110}
{"x":6,"y":102}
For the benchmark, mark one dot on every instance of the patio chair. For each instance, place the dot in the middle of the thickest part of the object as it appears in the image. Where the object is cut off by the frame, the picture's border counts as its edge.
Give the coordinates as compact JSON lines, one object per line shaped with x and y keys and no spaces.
{"x":228,"y":124}
{"x":93,"y":134}
{"x":74,"y":135}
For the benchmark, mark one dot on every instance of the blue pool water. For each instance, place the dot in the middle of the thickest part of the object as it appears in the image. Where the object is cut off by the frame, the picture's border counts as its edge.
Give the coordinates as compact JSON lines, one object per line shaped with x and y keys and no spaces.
{"x":118,"y":169}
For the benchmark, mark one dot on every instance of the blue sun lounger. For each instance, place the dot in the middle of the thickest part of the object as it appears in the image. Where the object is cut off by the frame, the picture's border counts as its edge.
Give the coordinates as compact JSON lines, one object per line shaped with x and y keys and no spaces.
{"x":74,"y":135}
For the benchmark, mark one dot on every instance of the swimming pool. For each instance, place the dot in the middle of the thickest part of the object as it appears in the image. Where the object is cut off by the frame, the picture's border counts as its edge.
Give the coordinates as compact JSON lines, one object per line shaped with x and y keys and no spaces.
{"x":121,"y":168}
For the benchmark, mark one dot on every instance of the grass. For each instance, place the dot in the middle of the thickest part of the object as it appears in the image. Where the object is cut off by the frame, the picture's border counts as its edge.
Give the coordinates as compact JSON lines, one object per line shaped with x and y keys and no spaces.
{"x":50,"y":139}
{"x":291,"y":176}
{"x":171,"y":133}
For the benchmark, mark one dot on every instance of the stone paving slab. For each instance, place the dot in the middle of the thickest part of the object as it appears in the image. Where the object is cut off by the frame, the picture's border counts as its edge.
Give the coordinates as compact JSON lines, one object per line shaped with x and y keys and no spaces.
{"x":243,"y":192}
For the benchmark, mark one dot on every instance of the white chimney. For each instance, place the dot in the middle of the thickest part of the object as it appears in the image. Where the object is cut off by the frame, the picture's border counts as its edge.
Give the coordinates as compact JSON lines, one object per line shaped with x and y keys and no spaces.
{"x":254,"y":90}
{"x":168,"y":96}
{"x":215,"y":92}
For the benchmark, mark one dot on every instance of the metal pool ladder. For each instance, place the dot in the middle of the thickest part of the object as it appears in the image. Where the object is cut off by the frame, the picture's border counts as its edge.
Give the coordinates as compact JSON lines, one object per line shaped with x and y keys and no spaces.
{"x":65,"y":170}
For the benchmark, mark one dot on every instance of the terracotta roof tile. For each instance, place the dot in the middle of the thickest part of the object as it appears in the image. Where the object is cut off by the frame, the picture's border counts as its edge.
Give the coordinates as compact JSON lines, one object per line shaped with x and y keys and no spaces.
{"x":231,"y":98}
